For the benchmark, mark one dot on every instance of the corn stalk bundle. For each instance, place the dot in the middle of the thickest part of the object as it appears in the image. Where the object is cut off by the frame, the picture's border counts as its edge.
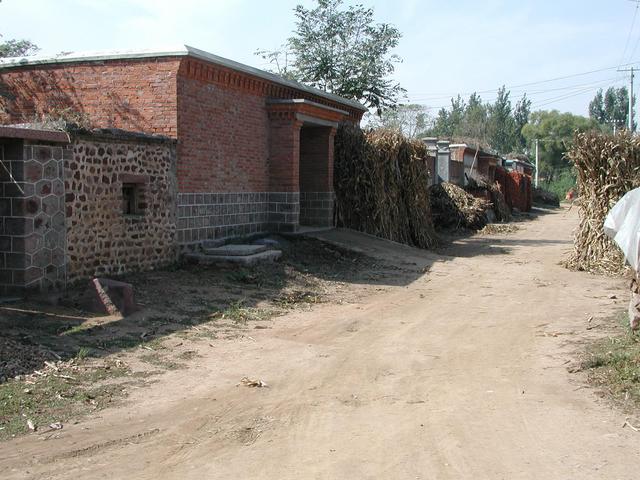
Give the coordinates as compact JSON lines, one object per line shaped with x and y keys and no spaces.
{"x":381,"y":180}
{"x":607,"y":167}
{"x":500,"y":207}
{"x":453,"y":208}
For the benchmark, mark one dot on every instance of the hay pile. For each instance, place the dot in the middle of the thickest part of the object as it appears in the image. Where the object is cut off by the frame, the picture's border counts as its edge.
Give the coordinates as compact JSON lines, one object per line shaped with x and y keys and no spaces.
{"x":380,"y":180}
{"x":608,"y":167}
{"x":452,"y":208}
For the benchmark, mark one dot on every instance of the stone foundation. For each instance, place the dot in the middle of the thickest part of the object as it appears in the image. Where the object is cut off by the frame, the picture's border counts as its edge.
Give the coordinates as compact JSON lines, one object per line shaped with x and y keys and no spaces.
{"x":209,"y":216}
{"x":316,"y":209}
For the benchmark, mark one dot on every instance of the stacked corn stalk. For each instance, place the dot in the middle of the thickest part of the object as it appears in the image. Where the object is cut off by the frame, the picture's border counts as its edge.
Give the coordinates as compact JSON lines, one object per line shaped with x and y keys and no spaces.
{"x":453,"y":208}
{"x":380,"y":181}
{"x":500,"y":207}
{"x":607,"y":167}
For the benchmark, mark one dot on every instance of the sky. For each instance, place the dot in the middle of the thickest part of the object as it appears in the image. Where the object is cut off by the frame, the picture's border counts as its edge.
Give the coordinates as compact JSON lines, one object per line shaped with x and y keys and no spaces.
{"x":448,"y":46}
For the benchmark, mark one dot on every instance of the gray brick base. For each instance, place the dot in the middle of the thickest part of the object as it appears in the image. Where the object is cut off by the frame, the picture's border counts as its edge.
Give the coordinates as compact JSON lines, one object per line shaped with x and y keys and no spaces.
{"x":316,"y":208}
{"x":208,"y":216}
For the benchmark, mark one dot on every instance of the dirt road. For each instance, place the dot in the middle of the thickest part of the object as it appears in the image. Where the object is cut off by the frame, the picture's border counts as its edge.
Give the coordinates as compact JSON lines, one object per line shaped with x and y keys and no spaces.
{"x":460,"y":373}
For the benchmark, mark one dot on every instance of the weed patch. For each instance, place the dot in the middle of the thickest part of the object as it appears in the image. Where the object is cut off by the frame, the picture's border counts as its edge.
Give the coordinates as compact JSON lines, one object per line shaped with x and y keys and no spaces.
{"x":613,"y":365}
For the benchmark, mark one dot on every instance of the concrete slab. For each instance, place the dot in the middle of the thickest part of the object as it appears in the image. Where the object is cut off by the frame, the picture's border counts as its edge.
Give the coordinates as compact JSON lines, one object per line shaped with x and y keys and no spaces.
{"x":203,"y":259}
{"x":235,"y":250}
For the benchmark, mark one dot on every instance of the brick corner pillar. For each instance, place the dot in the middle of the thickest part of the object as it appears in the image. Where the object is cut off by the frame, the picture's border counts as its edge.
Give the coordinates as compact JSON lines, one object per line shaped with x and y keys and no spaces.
{"x":316,"y":176}
{"x":284,"y":171}
{"x":33,"y":237}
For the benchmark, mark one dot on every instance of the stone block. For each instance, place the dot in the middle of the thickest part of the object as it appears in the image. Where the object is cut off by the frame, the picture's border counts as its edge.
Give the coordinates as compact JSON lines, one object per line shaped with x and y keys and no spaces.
{"x":17,"y":260}
{"x":112,"y":297}
{"x":41,"y":223}
{"x":5,"y":243}
{"x":43,"y":188}
{"x":50,"y":170}
{"x":50,"y":204}
{"x":57,"y":257}
{"x":18,"y":226}
{"x":32,"y":171}
{"x":42,"y":153}
{"x":5,"y":207}
{"x":42,"y":258}
{"x":28,"y":244}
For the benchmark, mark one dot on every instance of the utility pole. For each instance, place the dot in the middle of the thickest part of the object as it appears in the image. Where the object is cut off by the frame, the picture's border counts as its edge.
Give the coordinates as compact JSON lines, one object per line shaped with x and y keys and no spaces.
{"x":631,"y":70}
{"x":537,"y":159}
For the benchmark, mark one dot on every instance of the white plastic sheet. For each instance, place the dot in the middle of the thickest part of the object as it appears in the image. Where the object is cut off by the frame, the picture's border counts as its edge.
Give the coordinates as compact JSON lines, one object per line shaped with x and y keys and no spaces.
{"x":623,"y":226}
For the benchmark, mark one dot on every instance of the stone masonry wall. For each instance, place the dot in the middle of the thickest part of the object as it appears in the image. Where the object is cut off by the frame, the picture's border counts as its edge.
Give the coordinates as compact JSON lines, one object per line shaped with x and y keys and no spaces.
{"x":32,"y":241}
{"x":203,"y":216}
{"x":101,"y":239}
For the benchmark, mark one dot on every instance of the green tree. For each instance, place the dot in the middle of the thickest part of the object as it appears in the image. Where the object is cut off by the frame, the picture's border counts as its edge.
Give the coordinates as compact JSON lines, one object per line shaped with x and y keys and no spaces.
{"x":497,"y":124}
{"x":448,"y":122}
{"x":501,"y":124}
{"x":521,"y":118}
{"x":411,"y":120}
{"x":343,"y":51}
{"x":473,"y":124}
{"x":17,"y":48}
{"x":554,"y":131}
{"x":611,"y":108}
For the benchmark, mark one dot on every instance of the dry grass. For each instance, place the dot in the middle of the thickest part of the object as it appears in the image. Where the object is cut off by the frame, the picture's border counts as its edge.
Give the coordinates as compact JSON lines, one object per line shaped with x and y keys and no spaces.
{"x":613,"y":365}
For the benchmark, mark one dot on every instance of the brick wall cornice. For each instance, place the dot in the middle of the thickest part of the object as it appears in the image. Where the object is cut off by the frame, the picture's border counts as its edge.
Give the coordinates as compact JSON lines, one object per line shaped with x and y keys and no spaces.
{"x":194,"y":69}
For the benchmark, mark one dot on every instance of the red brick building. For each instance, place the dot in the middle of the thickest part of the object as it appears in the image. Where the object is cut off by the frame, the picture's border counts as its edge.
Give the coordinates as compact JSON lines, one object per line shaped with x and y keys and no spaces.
{"x":254,"y":150}
{"x":474,"y":162}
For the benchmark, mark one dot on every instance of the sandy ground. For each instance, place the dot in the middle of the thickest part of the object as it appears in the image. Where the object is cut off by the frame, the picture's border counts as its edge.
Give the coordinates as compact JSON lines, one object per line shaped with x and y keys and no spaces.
{"x":457,"y":371}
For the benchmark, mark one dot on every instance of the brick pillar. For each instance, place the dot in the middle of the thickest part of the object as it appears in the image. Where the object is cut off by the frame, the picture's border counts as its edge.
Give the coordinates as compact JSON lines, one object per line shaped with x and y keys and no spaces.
{"x":316,"y":176}
{"x":284,"y":168}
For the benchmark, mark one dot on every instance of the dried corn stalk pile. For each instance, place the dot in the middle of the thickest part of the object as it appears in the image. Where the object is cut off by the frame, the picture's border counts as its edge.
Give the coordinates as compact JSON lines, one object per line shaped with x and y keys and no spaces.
{"x":500,"y":207}
{"x":453,"y":208}
{"x":381,"y":181}
{"x":607,"y":167}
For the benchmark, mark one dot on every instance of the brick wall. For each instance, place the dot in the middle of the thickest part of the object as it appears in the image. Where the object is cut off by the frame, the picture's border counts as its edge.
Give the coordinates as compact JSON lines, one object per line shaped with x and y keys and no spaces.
{"x":32,"y":240}
{"x":101,"y":238}
{"x":137,"y":95}
{"x":224,"y":139}
{"x":316,"y":176}
{"x":228,"y":142}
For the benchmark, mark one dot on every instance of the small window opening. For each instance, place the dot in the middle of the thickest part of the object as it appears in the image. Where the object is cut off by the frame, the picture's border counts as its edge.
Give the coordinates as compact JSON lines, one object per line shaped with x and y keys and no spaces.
{"x":132,"y":199}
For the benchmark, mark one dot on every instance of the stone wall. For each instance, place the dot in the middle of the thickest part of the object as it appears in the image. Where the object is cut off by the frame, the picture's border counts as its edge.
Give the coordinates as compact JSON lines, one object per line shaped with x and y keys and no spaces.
{"x":101,"y":238}
{"x":316,"y":209}
{"x":203,"y":216}
{"x":32,"y":241}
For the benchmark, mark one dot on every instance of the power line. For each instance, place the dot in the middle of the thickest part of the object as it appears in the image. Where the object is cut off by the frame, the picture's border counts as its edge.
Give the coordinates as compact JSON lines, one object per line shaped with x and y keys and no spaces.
{"x":511,"y":87}
{"x":546,"y":101}
{"x":530,"y":92}
{"x":633,"y":24}
{"x":549,"y":101}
